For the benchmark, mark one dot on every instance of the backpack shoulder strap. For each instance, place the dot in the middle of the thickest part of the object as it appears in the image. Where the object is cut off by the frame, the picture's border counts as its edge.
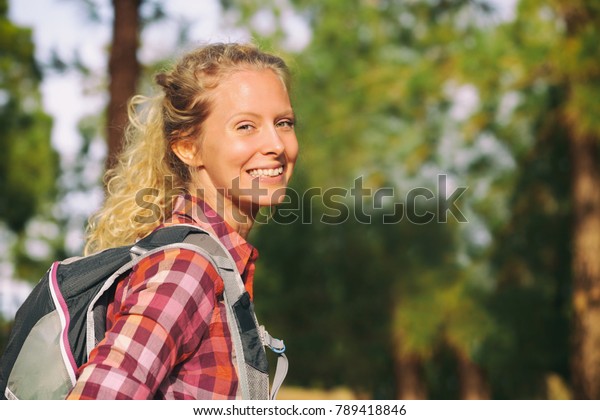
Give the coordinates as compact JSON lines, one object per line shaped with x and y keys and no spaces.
{"x":248,"y":337}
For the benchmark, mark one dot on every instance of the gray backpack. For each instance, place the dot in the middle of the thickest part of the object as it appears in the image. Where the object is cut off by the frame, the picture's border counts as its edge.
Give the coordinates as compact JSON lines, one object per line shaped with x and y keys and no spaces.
{"x":64,"y":318}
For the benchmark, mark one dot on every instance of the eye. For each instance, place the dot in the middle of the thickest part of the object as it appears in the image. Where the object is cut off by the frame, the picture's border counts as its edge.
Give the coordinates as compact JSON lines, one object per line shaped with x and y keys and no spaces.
{"x":245,"y":127}
{"x":287,"y":123}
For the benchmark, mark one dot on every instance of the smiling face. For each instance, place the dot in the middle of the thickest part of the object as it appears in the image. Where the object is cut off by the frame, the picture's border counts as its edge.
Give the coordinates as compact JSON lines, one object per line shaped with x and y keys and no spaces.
{"x":248,"y":145}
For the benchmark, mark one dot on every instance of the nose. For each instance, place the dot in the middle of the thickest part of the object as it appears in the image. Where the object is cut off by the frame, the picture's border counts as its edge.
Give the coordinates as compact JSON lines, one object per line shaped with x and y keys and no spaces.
{"x":272,"y":142}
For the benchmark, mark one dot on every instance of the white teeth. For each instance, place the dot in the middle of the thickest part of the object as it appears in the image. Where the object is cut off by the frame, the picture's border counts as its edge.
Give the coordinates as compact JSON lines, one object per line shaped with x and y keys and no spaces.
{"x":266,"y":172}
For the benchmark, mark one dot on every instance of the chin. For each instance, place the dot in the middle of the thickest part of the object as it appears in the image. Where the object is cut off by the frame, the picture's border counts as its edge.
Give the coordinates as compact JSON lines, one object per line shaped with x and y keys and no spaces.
{"x":271,"y":200}
{"x":268,"y":200}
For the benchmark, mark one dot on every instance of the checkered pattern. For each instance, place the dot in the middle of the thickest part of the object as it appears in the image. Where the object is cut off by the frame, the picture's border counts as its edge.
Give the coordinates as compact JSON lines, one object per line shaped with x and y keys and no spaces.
{"x":167,"y":334}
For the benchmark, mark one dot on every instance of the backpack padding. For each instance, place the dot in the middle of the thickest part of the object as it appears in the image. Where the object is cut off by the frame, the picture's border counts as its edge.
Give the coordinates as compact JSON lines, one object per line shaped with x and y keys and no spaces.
{"x":166,"y":236}
{"x":79,"y":282}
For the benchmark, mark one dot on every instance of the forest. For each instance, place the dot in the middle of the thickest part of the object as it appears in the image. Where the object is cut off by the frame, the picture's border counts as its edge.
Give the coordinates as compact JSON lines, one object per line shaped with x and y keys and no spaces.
{"x":441,"y":236}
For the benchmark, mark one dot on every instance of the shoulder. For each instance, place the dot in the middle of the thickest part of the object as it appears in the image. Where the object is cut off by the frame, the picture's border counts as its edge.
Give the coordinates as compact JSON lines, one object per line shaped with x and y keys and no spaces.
{"x":176,"y":271}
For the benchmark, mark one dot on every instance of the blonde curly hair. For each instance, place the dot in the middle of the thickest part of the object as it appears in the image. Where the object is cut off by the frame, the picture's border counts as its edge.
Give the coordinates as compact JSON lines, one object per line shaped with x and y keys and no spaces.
{"x":148,"y":175}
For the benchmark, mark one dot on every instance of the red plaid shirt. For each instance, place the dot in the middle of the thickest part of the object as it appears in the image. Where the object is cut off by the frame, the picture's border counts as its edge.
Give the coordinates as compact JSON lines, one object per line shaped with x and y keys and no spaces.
{"x":167,"y":334}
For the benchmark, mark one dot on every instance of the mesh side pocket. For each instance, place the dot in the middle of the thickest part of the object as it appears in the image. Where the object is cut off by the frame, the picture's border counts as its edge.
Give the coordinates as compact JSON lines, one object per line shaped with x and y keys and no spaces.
{"x":259,"y":384}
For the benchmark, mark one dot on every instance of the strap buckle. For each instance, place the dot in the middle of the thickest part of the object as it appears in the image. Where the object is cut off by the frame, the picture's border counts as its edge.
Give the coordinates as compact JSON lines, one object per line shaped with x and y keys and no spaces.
{"x":276,"y":345}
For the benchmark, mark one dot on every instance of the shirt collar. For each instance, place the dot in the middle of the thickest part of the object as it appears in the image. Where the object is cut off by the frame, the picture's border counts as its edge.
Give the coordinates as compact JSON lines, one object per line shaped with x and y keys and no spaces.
{"x":188,"y":208}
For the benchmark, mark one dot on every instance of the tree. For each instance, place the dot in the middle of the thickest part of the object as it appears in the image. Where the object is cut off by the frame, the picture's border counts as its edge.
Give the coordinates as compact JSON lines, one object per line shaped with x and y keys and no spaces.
{"x":28,"y":164}
{"x":124,"y":71}
{"x":577,"y":71}
{"x":551,"y":245}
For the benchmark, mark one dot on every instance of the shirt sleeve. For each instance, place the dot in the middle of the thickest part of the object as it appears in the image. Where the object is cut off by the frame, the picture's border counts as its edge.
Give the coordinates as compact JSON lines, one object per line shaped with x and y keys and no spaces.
{"x":166,"y":310}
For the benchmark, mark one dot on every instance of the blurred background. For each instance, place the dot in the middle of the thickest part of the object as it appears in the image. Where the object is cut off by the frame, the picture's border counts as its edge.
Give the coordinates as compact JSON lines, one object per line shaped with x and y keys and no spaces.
{"x":490,"y":105}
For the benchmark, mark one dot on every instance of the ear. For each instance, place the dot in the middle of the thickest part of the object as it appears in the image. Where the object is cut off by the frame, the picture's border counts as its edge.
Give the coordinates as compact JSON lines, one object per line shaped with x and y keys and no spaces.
{"x":188,"y":151}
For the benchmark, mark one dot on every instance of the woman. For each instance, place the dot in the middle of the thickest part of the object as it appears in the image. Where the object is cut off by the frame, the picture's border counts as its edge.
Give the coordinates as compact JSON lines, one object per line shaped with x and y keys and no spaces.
{"x":220,"y":142}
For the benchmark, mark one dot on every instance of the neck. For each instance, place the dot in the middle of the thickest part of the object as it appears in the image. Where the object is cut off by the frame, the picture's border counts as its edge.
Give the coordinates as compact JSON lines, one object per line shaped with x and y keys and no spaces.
{"x":238,"y":218}
{"x":240,"y":221}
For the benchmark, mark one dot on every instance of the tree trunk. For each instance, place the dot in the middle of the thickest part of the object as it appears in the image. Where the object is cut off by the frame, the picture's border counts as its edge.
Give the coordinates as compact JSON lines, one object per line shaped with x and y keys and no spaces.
{"x":585,"y":360}
{"x":585,"y":191}
{"x":124,"y":70}
{"x":409,"y":378}
{"x":473,"y":385}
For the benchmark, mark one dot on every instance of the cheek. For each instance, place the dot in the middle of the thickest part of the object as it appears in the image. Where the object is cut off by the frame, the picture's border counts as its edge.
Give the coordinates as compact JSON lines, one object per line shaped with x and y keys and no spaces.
{"x":292,"y":149}
{"x":231,"y":160}
{"x":239,"y":152}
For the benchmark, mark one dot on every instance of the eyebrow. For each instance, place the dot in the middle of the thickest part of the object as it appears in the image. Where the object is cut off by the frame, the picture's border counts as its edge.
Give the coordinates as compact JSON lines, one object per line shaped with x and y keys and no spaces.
{"x":286,"y":113}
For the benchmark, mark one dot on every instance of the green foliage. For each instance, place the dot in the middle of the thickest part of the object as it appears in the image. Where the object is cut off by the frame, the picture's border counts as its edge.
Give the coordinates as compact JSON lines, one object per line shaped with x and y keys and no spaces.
{"x":549,"y":65}
{"x":329,"y":289}
{"x":5,"y":327}
{"x":376,"y":97}
{"x":28,"y":164}
{"x":371,"y":96}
